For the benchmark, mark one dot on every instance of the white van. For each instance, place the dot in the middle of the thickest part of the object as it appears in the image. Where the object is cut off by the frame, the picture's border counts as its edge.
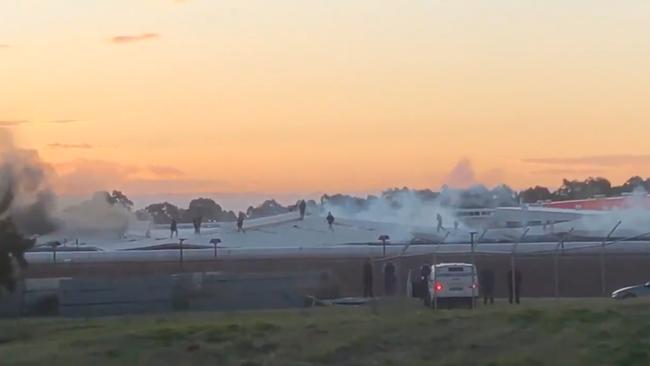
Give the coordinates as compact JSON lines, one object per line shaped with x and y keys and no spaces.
{"x":452,"y":284}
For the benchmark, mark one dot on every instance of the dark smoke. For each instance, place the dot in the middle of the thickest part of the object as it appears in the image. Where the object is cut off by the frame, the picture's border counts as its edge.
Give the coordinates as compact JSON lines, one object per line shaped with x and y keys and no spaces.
{"x":26,"y":196}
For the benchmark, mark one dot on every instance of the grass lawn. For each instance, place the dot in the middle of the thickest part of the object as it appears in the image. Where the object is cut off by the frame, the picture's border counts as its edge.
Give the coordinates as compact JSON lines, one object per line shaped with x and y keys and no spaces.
{"x":549,"y":332}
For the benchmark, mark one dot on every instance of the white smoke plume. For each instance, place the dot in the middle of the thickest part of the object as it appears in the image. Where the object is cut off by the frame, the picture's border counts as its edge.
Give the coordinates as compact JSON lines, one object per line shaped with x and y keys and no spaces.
{"x":24,"y":186}
{"x":26,"y":192}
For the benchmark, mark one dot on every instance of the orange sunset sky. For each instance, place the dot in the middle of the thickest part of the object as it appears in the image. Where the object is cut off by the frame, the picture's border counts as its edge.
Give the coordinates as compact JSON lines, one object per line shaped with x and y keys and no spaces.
{"x":278,"y":96}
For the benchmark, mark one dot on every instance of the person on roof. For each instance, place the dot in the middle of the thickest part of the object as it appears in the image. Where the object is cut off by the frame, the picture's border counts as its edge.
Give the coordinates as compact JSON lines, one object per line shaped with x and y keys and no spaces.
{"x":439,"y":219}
{"x":302,"y":206}
{"x":330,"y":220}
{"x":240,"y":222}
{"x":173,"y":227}
{"x":197,"y":225}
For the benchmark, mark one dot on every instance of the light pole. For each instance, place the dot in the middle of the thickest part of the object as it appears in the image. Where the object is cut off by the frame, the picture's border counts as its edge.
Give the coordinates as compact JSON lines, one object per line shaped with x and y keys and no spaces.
{"x":383,"y":239}
{"x":54,"y":245}
{"x":215,"y":242}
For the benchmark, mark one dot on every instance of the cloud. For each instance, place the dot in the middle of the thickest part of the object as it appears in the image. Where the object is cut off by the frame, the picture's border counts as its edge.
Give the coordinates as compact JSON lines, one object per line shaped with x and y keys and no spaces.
{"x":5,"y":45}
{"x":594,"y":160}
{"x":83,"y":177}
{"x":134,"y":38}
{"x":568,"y":172}
{"x":13,"y":123}
{"x":62,"y":121}
{"x":57,"y":145}
{"x":165,"y":171}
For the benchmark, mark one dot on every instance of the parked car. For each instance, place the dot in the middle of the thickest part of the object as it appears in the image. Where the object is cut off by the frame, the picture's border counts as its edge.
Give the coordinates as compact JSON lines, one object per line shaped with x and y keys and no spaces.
{"x":632,"y":292}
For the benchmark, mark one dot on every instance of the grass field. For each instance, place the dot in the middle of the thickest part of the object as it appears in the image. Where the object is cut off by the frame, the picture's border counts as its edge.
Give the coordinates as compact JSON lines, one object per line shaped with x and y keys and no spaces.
{"x":550,"y":332}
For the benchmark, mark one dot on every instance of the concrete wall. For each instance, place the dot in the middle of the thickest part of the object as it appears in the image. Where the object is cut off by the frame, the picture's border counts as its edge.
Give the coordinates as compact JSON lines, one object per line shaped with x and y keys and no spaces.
{"x":145,"y":294}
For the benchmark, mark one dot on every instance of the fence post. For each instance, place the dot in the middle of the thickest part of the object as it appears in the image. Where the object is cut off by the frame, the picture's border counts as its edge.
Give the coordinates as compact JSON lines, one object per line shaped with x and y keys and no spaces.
{"x":471,"y":235}
{"x":435,"y":292}
{"x":603,"y":279}
{"x":560,"y":244}
{"x":513,"y":267}
{"x":180,"y":247}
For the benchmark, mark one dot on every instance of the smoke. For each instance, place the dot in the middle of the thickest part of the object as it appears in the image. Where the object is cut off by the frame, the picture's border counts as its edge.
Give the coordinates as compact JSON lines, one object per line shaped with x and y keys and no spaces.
{"x":421,"y":207}
{"x":462,"y":175}
{"x":634,"y":219}
{"x":97,"y":216}
{"x":26,"y":194}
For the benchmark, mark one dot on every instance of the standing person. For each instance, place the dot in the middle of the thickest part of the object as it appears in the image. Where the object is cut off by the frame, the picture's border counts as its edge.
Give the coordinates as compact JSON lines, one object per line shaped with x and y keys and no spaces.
{"x":367,"y":279}
{"x":390,"y":280}
{"x":455,"y":225}
{"x":173,"y":228}
{"x":302,"y":206}
{"x":439,"y":219}
{"x":330,"y":220}
{"x":240,"y":222}
{"x":197,"y":225}
{"x":517,"y":290}
{"x":486,"y":282}
{"x":425,"y":275}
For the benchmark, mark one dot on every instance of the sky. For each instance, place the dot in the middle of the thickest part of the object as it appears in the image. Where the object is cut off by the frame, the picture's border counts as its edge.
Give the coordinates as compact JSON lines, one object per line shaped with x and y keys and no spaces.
{"x":291,"y":97}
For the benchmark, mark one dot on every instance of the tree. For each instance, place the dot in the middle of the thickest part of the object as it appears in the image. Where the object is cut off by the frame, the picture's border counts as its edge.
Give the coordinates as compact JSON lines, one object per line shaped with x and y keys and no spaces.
{"x":119,"y":198}
{"x":535,"y":194}
{"x":631,"y":185}
{"x":163,"y":213}
{"x":13,"y":246}
{"x":267,"y":208}
{"x":208,"y":209}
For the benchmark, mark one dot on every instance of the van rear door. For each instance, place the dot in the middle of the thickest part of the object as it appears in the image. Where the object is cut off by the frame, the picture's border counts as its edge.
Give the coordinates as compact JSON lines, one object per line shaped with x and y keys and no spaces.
{"x":454,"y":281}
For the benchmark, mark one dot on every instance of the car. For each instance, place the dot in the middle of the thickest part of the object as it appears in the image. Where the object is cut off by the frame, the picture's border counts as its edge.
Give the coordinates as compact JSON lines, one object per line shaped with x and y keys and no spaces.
{"x":632,"y":292}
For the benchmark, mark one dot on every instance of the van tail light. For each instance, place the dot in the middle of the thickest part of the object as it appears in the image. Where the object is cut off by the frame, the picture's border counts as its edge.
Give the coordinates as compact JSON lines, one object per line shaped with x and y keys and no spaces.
{"x":474,"y":286}
{"x":437,"y":287}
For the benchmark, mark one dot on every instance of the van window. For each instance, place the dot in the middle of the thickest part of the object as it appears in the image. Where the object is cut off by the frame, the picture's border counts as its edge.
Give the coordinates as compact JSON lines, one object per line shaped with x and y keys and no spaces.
{"x":456,"y":269}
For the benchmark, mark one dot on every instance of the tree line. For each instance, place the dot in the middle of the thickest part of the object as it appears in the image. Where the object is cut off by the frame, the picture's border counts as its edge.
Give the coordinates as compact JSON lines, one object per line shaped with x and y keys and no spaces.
{"x":583,"y":189}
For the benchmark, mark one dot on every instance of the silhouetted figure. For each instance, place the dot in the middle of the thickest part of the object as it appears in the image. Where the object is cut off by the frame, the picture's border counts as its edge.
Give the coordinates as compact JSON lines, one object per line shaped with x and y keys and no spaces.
{"x":197,"y":225}
{"x":517,"y":289}
{"x":240,"y":222}
{"x":367,"y":279}
{"x":486,"y":283}
{"x":330,"y":220}
{"x":455,"y":225}
{"x":423,"y":282}
{"x":173,"y":228}
{"x":302,"y":206}
{"x":390,"y":280}
{"x":439,"y":219}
